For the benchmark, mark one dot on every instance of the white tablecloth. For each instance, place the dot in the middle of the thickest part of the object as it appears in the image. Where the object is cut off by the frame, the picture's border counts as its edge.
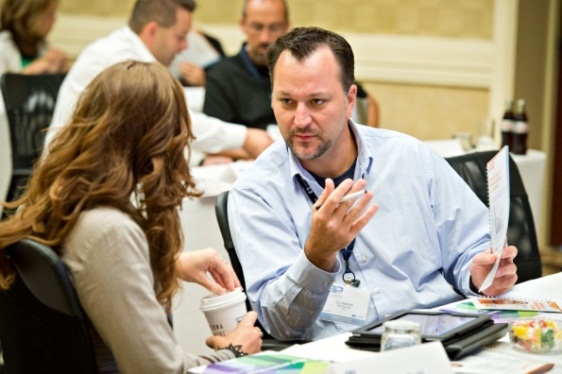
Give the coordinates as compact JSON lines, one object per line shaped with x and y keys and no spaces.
{"x":335,"y":349}
{"x":532,"y":168}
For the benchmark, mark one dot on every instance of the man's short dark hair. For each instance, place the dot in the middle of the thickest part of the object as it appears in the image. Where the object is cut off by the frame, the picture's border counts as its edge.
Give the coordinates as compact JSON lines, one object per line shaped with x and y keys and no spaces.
{"x":163,"y":12}
{"x":301,"y":42}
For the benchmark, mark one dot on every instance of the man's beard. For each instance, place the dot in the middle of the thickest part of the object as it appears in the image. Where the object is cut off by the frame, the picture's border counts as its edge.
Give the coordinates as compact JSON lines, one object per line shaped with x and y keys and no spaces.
{"x":319,"y":151}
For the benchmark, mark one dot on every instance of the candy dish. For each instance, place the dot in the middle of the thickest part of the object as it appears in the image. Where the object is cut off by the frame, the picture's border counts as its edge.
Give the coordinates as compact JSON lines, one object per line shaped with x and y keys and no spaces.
{"x":536,"y":335}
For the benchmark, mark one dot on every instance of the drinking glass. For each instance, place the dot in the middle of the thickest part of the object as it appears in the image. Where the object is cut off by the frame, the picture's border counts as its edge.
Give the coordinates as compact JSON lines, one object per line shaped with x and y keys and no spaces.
{"x":398,"y":334}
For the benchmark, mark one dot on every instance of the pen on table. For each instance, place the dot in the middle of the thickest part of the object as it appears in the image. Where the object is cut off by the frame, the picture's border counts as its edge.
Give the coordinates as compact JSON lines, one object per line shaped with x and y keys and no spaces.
{"x":348,"y":197}
{"x":541,"y":369}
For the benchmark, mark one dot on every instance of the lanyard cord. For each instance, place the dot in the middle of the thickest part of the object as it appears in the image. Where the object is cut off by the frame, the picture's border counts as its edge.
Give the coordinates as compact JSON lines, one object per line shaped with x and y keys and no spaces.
{"x":348,"y":276}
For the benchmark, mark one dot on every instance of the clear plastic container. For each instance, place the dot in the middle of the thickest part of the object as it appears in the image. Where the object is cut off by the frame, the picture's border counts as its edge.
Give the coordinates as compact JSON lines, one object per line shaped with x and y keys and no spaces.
{"x":536,"y":335}
{"x":398,"y":334}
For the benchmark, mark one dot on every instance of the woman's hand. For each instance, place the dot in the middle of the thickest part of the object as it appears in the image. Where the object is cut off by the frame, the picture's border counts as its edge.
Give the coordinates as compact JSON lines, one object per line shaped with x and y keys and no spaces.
{"x":246,"y":335}
{"x":52,"y":61}
{"x":194,"y":266}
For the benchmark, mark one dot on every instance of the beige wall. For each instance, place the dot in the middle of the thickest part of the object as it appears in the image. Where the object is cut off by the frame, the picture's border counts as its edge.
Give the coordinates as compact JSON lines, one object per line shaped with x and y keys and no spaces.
{"x":431,"y":112}
{"x":427,"y":112}
{"x":449,"y":18}
{"x":423,"y":111}
{"x":110,"y":8}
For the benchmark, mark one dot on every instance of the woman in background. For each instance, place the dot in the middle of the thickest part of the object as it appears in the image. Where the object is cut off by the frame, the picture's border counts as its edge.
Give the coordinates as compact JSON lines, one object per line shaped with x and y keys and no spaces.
{"x":106,"y":197}
{"x":24,"y":26}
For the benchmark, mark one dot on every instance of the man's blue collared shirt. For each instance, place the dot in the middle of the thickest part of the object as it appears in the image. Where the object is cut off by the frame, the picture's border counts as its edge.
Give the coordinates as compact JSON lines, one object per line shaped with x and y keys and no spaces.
{"x":410,"y":255}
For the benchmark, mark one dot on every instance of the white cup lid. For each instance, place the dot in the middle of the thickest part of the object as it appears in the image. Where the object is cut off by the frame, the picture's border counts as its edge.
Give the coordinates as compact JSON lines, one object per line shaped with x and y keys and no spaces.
{"x":211,"y":302}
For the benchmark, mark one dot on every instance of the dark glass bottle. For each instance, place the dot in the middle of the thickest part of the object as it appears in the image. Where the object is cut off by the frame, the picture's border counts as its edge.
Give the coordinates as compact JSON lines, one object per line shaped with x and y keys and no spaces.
{"x":520,"y":129}
{"x":507,"y":124}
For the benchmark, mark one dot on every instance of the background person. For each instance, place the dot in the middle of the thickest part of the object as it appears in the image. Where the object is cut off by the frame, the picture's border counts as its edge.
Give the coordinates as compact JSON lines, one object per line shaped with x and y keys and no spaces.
{"x":238,"y":88}
{"x":203,"y":52}
{"x":156,"y":31}
{"x":24,"y":26}
{"x":369,"y":113}
{"x":304,"y":253}
{"x":125,"y":259}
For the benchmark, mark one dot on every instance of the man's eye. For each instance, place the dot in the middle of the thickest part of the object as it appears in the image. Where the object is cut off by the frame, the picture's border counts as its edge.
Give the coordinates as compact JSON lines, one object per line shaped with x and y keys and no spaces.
{"x":317,"y":101}
{"x":286,"y":101}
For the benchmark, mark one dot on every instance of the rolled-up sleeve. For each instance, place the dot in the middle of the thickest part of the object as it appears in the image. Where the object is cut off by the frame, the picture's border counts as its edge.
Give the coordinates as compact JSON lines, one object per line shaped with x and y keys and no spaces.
{"x":289,"y":295}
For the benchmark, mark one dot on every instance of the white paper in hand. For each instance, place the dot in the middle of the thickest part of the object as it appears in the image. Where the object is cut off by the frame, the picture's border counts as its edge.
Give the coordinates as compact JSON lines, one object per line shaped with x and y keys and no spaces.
{"x":497,"y":170}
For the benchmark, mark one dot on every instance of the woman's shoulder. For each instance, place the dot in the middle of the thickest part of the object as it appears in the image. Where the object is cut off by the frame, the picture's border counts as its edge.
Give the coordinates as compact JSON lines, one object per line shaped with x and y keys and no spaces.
{"x":105,"y":218}
{"x":101,"y":226}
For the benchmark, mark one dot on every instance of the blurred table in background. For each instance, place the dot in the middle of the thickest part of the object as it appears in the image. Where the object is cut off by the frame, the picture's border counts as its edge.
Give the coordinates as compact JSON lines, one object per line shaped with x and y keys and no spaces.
{"x":532,"y":168}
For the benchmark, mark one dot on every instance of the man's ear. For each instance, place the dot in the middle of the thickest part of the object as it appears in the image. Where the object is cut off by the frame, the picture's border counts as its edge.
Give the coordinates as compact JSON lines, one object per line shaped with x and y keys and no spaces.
{"x":351,"y":100}
{"x":148,"y":32}
{"x":242,"y":24}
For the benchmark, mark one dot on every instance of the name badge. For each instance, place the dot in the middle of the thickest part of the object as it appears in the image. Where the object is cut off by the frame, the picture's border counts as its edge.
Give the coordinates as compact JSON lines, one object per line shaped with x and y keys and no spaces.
{"x":346,"y":304}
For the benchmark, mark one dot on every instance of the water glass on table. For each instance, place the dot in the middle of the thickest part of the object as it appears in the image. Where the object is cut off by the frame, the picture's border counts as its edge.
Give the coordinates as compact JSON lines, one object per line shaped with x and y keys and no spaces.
{"x":399,"y":334}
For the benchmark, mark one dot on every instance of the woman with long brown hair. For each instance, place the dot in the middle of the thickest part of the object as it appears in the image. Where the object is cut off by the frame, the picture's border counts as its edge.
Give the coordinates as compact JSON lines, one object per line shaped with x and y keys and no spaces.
{"x":105,"y":197}
{"x":24,"y":26}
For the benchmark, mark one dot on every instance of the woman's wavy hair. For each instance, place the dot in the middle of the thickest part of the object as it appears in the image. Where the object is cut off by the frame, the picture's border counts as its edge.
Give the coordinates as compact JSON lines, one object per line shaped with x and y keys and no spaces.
{"x":126,"y":147}
{"x":20,"y":18}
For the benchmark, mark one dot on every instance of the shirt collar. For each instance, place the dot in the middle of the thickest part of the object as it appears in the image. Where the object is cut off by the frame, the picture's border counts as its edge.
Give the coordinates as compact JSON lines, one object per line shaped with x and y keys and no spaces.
{"x":364,"y":155}
{"x":252,"y":68}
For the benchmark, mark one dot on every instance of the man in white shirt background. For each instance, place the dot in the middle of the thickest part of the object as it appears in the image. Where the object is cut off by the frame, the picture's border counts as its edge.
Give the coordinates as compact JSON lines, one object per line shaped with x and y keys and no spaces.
{"x":156,"y":31}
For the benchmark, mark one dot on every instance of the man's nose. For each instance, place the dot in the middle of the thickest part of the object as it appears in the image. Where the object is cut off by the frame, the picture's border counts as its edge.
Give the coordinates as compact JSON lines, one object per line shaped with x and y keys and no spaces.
{"x":302,"y":115}
{"x":267,"y":36}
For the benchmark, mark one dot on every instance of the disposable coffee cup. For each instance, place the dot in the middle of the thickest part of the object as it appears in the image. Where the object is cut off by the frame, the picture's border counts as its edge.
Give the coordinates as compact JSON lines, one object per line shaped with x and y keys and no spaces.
{"x":224,"y":312}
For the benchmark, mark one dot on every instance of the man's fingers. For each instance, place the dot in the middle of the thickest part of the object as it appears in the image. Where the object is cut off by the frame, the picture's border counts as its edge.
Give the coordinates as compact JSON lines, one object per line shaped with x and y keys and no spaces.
{"x":484,"y":259}
{"x":501,"y":285}
{"x":506,"y":268}
{"x":509,"y":252}
{"x":359,"y":224}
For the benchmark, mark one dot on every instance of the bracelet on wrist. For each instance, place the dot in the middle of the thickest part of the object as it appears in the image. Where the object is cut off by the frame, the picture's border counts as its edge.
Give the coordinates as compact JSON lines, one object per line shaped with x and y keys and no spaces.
{"x":236,"y":349}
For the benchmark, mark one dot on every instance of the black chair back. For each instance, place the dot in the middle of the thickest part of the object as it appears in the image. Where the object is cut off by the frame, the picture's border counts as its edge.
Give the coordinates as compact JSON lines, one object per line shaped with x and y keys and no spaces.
{"x":30,"y":103}
{"x":221,"y":211}
{"x":222,"y":218}
{"x":42,"y":326}
{"x":521,"y":227}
